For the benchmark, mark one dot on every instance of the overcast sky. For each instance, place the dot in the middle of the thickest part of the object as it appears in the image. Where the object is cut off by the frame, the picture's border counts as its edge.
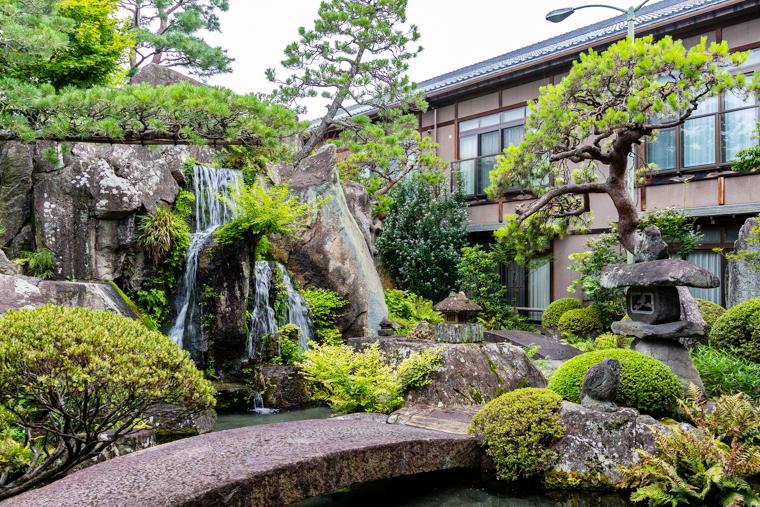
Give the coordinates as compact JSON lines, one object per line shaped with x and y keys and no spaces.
{"x":454,"y":33}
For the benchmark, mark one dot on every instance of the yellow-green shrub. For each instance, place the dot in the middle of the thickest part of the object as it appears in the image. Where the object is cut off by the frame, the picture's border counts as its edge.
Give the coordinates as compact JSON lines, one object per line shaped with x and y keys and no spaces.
{"x":75,"y":373}
{"x":739,"y":329}
{"x":517,"y":428}
{"x":710,"y":312}
{"x":556,"y":309}
{"x":579,"y":323}
{"x":646,"y":384}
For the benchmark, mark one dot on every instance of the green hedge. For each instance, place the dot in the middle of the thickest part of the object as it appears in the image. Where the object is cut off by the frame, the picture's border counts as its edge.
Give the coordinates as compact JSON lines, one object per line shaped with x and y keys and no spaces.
{"x":580,"y":323}
{"x":646,"y":384}
{"x":739,"y":329}
{"x":710,"y":311}
{"x":555,"y":310}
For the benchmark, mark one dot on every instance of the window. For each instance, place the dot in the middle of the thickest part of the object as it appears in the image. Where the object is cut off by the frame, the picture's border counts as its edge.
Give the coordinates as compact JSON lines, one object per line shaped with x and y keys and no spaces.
{"x":480,"y":141}
{"x":527,"y":287}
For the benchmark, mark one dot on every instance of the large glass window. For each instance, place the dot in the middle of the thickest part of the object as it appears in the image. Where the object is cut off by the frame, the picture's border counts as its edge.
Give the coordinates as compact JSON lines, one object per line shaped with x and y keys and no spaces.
{"x":663,"y":151}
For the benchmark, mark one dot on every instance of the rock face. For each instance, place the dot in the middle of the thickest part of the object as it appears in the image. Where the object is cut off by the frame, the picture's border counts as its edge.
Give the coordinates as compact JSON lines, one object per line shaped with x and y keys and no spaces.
{"x":663,"y":272}
{"x":743,"y":278}
{"x":15,"y":190}
{"x":27,"y":292}
{"x":600,"y":385}
{"x":596,"y":443}
{"x":171,"y":422}
{"x":333,"y":252}
{"x":7,"y":267}
{"x":284,"y":387}
{"x":472,"y":373}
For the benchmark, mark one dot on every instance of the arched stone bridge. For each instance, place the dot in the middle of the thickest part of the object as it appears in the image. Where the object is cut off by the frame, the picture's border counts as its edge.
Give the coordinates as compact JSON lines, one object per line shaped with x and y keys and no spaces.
{"x":267,"y":465}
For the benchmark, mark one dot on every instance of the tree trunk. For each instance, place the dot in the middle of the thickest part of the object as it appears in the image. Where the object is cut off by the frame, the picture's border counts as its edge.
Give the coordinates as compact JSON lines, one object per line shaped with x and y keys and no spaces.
{"x":628,"y":217}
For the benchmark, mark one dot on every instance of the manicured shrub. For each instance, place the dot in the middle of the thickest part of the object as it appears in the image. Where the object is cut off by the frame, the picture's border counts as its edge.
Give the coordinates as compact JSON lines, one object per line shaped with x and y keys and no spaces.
{"x":579,"y":324}
{"x":646,"y":384}
{"x":408,"y":309}
{"x":710,"y":312}
{"x":556,"y":309}
{"x":67,"y":375}
{"x":517,"y":428}
{"x":739,"y":328}
{"x":724,"y":372}
{"x":325,"y":308}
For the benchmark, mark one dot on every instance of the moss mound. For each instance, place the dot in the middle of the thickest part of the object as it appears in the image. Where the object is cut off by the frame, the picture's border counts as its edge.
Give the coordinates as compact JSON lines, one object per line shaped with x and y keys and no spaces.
{"x":739,"y":328}
{"x":556,"y":309}
{"x":517,"y":428}
{"x":580,"y":323}
{"x":646,"y":384}
{"x":710,"y":311}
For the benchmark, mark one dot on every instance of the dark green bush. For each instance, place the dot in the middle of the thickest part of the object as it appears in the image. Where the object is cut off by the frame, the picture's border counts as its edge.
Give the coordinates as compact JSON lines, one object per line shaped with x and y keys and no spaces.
{"x":579,"y":324}
{"x":517,"y":428}
{"x":646,"y":384}
{"x":739,"y":329}
{"x":710,"y":312}
{"x":724,"y":373}
{"x":555,"y":310}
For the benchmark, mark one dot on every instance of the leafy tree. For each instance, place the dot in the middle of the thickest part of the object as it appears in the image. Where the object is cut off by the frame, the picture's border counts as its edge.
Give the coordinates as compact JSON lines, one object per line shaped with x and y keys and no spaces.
{"x":423,"y":236}
{"x":166,"y":33}
{"x":356,"y":52}
{"x":73,"y":381}
{"x":607,"y":104}
{"x":679,"y":231}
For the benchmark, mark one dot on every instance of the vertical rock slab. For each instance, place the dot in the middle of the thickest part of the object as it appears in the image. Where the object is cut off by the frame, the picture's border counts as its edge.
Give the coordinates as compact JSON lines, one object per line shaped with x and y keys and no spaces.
{"x":15,"y":190}
{"x":743,"y":277}
{"x":333,"y":252}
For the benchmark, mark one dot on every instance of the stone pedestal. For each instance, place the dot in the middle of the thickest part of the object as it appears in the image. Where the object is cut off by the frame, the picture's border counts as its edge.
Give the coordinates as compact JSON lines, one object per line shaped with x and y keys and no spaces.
{"x":458,"y":333}
{"x":674,"y":355}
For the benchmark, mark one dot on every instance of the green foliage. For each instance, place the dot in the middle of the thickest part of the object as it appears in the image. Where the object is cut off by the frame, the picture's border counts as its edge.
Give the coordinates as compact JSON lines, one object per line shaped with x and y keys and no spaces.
{"x":357,"y":51}
{"x":261,"y":211}
{"x":159,"y":231}
{"x":706,"y":466}
{"x":145,"y":319}
{"x":645,"y":383}
{"x":612,"y":341}
{"x":710,"y":312}
{"x":679,"y":231}
{"x":724,"y":372}
{"x":178,"y":113}
{"x":517,"y":428}
{"x":408,"y":309}
{"x":739,"y":329}
{"x":67,"y":375}
{"x":184,"y":204}
{"x":353,"y":381}
{"x":325,"y":308}
{"x":556,"y":309}
{"x":422,"y":238}
{"x":168,"y":32}
{"x":608,"y":103}
{"x":40,"y":263}
{"x":579,"y":324}
{"x":603,"y":251}
{"x":747,"y":160}
{"x":289,"y":345}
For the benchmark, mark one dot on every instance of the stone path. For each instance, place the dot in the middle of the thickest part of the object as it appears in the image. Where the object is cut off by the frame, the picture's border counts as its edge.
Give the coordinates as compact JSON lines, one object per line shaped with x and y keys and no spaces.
{"x":550,"y":349}
{"x":267,"y":465}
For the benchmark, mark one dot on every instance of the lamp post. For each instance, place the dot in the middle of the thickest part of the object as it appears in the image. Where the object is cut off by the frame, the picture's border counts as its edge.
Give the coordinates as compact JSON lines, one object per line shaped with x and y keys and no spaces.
{"x":559,"y":15}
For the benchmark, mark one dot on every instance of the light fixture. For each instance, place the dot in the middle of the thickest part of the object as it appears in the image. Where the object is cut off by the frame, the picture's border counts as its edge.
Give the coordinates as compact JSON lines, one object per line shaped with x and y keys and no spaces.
{"x":558,"y":15}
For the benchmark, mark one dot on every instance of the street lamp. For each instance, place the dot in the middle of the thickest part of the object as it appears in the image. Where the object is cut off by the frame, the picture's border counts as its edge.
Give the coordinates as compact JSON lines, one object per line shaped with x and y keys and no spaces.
{"x":559,"y":15}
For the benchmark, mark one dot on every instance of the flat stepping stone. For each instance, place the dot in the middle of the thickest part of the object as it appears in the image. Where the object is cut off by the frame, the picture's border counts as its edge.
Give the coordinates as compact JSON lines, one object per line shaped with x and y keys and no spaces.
{"x":449,"y":420}
{"x":662,"y":272}
{"x":268,"y":465}
{"x":549,"y":349}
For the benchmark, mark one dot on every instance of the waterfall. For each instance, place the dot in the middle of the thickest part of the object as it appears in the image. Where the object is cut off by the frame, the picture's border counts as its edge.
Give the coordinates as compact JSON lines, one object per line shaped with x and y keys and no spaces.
{"x":263,"y":318}
{"x":210,"y":213}
{"x":258,"y":405}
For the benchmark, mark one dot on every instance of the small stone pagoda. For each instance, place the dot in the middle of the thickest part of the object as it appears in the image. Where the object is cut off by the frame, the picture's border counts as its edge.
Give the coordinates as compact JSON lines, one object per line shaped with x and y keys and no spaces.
{"x":457,"y":309}
{"x":661,"y":308}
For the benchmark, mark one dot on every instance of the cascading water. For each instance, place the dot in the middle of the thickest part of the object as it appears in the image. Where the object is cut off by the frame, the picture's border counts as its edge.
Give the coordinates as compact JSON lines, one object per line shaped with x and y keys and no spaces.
{"x":211,"y":212}
{"x":298,"y":311}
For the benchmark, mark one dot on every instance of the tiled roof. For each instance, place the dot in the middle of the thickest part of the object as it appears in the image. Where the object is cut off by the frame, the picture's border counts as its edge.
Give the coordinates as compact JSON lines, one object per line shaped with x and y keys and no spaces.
{"x":647,"y":16}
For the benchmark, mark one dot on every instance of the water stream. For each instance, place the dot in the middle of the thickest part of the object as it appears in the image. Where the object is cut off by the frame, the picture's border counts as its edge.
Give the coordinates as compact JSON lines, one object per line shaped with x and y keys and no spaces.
{"x":298,"y":311}
{"x":210,"y":214}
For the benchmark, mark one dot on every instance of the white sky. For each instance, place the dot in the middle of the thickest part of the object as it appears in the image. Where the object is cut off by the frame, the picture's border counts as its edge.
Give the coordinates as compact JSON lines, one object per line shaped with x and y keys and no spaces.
{"x":454,"y":33}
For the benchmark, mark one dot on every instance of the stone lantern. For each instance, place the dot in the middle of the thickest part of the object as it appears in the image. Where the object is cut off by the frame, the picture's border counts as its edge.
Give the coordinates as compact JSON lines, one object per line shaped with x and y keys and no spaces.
{"x":457,"y":308}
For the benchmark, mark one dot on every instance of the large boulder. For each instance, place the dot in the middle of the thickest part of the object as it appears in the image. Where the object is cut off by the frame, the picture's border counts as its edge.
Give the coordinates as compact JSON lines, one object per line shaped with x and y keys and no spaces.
{"x":333,"y":252}
{"x":743,"y":277}
{"x":7,"y":267}
{"x":26,"y":292}
{"x":472,"y":373}
{"x":15,"y":190}
{"x":595,"y":444}
{"x":284,"y":387}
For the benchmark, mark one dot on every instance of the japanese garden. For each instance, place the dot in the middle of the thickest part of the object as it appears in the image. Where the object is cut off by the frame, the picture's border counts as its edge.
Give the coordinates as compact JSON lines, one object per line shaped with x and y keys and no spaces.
{"x":532,"y":280}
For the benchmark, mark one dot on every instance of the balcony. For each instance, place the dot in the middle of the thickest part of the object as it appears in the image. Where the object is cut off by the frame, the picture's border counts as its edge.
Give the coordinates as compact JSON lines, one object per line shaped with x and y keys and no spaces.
{"x":474,"y":174}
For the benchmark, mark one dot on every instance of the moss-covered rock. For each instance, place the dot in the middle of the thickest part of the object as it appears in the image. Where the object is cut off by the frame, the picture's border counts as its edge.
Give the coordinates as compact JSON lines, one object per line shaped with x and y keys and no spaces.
{"x":556,"y":309}
{"x":739,"y":328}
{"x":645,"y":383}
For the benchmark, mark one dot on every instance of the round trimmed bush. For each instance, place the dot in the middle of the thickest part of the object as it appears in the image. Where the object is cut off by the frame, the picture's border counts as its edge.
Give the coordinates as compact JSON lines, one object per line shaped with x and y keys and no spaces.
{"x":517,"y":428}
{"x":739,"y":328}
{"x":646,"y":384}
{"x":710,"y":312}
{"x":580,"y":323}
{"x":555,"y":310}
{"x":610,"y":341}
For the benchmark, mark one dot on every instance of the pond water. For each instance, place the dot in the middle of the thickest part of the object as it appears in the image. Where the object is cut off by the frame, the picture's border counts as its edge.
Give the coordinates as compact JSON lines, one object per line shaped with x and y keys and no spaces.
{"x":230,"y":421}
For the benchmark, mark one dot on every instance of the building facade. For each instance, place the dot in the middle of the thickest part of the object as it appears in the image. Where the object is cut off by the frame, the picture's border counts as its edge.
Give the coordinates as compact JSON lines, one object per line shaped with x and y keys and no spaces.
{"x":477,"y":111}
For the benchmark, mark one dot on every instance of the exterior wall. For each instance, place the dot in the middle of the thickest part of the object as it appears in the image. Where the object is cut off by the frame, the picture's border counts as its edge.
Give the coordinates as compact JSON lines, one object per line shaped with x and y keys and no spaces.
{"x":742,"y":34}
{"x":562,"y":275}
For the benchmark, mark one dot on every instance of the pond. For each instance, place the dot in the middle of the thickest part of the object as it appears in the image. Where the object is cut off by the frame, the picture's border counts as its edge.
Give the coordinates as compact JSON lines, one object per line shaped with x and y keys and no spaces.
{"x":458,"y":488}
{"x":230,"y":421}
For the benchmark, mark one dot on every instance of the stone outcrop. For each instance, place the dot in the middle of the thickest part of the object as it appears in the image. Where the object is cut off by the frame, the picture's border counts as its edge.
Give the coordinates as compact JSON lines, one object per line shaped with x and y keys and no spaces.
{"x":596,"y":443}
{"x":743,"y":277}
{"x":333,"y":252}
{"x":171,"y":422}
{"x":27,"y":292}
{"x":284,"y":387}
{"x":16,"y":170}
{"x":7,"y":267}
{"x":472,"y":373}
